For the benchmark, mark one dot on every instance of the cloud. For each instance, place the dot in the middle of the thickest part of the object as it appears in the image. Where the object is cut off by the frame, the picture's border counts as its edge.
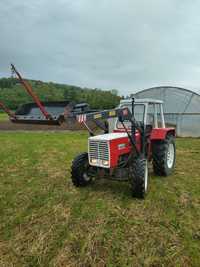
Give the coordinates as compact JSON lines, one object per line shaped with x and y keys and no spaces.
{"x":122,"y":44}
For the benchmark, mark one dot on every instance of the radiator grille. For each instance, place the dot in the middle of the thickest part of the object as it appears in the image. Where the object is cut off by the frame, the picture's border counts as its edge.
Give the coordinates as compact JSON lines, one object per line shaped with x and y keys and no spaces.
{"x":99,"y":150}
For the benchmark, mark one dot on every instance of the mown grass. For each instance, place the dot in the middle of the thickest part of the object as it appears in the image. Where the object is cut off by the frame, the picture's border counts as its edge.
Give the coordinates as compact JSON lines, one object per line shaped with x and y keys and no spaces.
{"x":46,"y":221}
{"x":3,"y":116}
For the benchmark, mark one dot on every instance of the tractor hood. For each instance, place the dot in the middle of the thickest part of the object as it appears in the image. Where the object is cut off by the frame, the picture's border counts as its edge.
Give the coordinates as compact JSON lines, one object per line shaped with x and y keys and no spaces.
{"x":108,"y":137}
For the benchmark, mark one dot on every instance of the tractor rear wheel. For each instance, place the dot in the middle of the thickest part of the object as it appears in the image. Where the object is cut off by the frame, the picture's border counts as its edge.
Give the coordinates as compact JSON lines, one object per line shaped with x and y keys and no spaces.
{"x":164,"y":156}
{"x":80,"y":170}
{"x":139,"y":177}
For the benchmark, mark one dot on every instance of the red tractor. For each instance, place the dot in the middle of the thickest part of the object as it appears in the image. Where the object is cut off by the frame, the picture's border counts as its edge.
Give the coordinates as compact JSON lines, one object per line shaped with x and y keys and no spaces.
{"x":139,"y":137}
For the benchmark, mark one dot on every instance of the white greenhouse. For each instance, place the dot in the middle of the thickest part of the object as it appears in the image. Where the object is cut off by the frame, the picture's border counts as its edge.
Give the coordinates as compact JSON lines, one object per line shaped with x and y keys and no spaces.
{"x":181,"y":108}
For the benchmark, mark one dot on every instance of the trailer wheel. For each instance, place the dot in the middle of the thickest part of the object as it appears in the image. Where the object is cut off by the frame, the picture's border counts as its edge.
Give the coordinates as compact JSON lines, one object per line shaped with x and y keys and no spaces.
{"x":80,"y":169}
{"x":164,"y":156}
{"x":139,"y":177}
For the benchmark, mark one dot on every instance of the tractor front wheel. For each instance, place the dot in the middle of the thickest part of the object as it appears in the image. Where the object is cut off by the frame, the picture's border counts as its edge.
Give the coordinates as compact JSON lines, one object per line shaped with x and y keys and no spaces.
{"x":80,"y":170}
{"x":139,"y":177}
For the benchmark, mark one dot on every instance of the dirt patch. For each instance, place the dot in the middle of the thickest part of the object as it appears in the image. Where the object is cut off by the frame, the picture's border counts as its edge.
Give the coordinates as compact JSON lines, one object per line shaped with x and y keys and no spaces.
{"x":10,"y":126}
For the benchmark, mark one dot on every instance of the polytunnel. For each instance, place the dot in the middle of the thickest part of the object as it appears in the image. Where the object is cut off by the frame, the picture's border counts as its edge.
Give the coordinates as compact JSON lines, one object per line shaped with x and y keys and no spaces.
{"x":181,"y":108}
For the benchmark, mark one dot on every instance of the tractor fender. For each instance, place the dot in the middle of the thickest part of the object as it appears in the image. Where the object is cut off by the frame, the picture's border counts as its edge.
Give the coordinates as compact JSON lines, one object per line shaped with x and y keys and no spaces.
{"x":161,"y":133}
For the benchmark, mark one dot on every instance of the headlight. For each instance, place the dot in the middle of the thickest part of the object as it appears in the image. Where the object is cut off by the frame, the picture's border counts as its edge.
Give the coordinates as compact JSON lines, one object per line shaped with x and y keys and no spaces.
{"x":94,"y":161}
{"x":105,"y":162}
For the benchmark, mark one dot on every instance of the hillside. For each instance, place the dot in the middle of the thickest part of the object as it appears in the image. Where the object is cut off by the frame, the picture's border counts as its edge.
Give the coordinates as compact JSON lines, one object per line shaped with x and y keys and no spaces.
{"x":13,"y":94}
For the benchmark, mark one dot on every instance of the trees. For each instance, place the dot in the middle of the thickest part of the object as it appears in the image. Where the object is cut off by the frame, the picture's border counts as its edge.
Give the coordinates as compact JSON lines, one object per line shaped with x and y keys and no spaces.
{"x":13,"y":95}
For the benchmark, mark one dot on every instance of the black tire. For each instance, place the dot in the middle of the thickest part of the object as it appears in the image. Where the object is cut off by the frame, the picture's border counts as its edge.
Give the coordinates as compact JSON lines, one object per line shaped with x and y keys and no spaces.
{"x":79,"y":170}
{"x":162,"y":166}
{"x":139,"y":177}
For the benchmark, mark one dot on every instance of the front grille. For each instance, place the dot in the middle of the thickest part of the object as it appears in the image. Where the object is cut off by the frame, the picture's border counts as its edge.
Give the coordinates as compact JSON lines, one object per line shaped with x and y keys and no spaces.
{"x":99,"y":150}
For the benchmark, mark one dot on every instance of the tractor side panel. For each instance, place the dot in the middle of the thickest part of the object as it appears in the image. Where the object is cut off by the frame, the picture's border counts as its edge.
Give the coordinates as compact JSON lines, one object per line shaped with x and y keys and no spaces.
{"x":161,"y":133}
{"x":120,"y":147}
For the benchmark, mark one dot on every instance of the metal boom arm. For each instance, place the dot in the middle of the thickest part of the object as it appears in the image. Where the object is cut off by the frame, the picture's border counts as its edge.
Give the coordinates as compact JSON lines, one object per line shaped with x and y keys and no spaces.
{"x":31,"y":93}
{"x":7,"y":110}
{"x":121,"y":113}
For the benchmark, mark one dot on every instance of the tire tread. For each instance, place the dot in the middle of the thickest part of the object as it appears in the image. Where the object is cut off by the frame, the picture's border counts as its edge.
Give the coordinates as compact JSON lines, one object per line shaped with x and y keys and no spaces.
{"x":76,"y":170}
{"x":160,"y":149}
{"x":138,"y":174}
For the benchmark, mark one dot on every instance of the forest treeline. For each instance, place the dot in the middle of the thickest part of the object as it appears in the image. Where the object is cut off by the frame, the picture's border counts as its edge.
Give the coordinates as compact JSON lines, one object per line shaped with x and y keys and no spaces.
{"x":12,"y":94}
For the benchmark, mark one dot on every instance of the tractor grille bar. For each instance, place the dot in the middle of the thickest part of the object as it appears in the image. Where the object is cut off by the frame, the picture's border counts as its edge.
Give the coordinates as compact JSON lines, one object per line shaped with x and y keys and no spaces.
{"x":98,"y":150}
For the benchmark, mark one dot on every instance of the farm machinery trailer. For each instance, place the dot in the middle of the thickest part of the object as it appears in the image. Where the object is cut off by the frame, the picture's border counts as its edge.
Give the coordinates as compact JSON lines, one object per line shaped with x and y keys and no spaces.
{"x":38,"y":112}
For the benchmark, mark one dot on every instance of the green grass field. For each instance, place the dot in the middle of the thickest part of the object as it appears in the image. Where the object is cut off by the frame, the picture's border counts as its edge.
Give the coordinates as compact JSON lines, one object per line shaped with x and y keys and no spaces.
{"x":3,"y":117}
{"x":46,"y":221}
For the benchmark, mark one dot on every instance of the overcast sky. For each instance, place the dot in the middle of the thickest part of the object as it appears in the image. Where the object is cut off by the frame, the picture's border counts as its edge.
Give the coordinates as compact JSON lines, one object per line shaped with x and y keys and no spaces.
{"x":127,"y":45}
